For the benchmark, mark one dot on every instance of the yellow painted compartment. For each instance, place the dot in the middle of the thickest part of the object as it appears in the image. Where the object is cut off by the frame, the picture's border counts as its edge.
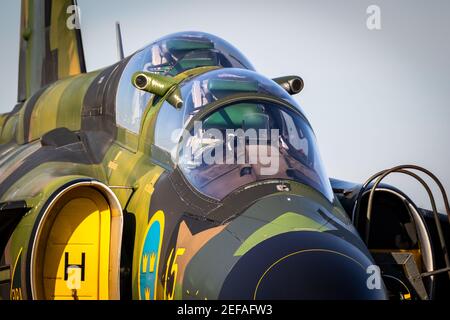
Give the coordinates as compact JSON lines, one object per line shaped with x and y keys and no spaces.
{"x":78,"y":236}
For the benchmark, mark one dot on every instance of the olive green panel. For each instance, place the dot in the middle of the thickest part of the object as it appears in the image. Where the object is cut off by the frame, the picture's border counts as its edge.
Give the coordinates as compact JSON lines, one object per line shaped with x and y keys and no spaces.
{"x":20,"y":130}
{"x":47,"y":108}
{"x":127,"y":139}
{"x":147,"y":134}
{"x":59,"y":106}
{"x":139,"y":205}
{"x":32,"y":183}
{"x":5,"y":275}
{"x":287,"y":222}
{"x":334,"y":207}
{"x":71,"y":101}
{"x":12,"y":159}
{"x":3,"y":118}
{"x":8,"y":130}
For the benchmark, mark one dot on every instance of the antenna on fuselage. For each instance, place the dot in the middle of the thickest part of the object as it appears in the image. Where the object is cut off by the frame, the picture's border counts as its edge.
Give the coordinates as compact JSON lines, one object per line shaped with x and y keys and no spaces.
{"x":120,"y":53}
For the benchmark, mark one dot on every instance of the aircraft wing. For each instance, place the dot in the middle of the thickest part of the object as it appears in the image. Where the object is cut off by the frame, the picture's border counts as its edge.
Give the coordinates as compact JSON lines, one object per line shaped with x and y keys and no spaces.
{"x":50,"y":44}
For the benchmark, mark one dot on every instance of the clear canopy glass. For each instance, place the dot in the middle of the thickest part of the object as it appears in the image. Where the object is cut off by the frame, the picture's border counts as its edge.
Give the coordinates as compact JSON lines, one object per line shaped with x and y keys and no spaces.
{"x":171,"y":55}
{"x":248,"y":142}
{"x":183,"y":51}
{"x":242,"y":142}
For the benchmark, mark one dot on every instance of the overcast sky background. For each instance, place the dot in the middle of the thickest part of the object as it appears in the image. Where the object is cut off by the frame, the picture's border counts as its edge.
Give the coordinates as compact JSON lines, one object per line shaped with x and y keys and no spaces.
{"x":375,"y":98}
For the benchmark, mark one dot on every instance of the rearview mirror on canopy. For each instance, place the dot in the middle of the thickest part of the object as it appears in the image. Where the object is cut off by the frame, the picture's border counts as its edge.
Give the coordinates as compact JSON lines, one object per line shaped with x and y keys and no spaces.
{"x":292,"y":84}
{"x":159,"y":85}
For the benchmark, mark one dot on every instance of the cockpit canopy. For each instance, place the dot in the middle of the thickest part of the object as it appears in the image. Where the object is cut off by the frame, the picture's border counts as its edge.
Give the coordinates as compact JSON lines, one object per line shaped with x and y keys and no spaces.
{"x":236,"y":128}
{"x":183,"y":51}
{"x":170,"y":56}
{"x":212,"y":86}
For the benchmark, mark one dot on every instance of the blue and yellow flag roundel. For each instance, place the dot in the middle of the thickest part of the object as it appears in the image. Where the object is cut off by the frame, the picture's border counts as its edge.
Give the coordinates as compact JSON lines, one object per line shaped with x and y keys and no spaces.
{"x":149,"y":260}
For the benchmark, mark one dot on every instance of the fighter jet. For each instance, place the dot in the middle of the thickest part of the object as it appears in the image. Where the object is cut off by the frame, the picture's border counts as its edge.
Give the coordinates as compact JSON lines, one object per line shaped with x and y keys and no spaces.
{"x":180,"y":172}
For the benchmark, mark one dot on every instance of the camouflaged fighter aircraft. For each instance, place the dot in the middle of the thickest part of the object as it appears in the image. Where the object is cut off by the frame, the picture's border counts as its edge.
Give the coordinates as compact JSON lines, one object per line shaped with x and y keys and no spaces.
{"x":99,"y":198}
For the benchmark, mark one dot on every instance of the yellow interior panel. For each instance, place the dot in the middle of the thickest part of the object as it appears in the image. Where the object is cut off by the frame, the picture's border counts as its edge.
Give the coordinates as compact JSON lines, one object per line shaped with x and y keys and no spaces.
{"x":80,"y":238}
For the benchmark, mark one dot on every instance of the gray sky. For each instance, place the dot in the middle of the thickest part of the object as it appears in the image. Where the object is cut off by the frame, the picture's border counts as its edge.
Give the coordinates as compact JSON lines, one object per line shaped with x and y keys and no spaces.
{"x":375,"y":98}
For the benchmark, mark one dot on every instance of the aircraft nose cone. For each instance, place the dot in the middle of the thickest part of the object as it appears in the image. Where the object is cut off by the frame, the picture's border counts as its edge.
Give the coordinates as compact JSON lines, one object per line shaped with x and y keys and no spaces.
{"x":305,"y":266}
{"x":315,"y":274}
